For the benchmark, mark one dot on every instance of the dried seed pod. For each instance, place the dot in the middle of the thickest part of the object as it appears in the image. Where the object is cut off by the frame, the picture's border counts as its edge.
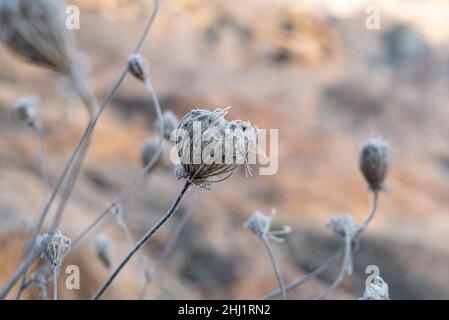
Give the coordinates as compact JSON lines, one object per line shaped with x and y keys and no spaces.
{"x":104,"y":248}
{"x":376,"y":291}
{"x":374,"y":162}
{"x":56,"y":247}
{"x":206,"y":146}
{"x":25,"y":110}
{"x":138,"y":66}
{"x":149,"y":150}
{"x":36,"y":30}
{"x":170,"y":122}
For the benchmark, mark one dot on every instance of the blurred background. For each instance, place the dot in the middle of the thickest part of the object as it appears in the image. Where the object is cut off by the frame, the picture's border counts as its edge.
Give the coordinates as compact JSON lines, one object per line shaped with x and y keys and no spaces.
{"x":311,"y":69}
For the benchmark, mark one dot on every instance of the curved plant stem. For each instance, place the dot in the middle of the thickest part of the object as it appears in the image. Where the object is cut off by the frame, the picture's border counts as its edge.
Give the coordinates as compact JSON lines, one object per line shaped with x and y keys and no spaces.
{"x":276,"y":268}
{"x":350,"y":239}
{"x":142,"y":241}
{"x":308,"y":277}
{"x":169,"y":247}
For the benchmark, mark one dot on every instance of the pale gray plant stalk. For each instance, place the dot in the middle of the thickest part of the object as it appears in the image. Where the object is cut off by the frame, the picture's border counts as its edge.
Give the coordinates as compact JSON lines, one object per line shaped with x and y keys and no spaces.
{"x":169,"y":247}
{"x":142,"y":241}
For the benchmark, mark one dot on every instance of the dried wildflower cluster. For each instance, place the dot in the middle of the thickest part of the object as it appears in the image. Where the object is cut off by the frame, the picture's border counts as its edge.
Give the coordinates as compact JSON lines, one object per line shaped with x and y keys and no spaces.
{"x":56,"y":246}
{"x":211,"y":147}
{"x":26,"y":111}
{"x":36,"y":31}
{"x":374,"y":161}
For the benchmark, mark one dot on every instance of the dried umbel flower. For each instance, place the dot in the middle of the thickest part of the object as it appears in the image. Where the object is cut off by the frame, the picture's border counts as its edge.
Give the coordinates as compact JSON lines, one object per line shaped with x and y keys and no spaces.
{"x":260,"y":224}
{"x":25,"y":110}
{"x":378,"y":290}
{"x":56,"y":247}
{"x":149,"y":150}
{"x":207,"y":146}
{"x":343,"y":225}
{"x":104,"y":249}
{"x":36,"y":30}
{"x":374,"y":161}
{"x":138,"y":66}
{"x":170,"y":122}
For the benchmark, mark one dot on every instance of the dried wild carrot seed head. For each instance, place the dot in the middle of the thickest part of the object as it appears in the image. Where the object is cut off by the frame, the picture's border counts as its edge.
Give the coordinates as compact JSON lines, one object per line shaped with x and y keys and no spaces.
{"x":374,"y":162}
{"x":209,"y":148}
{"x":56,"y":247}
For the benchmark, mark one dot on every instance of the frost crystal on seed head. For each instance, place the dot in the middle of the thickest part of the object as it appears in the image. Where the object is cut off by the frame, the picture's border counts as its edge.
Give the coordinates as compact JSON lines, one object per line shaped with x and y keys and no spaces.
{"x":376,"y":291}
{"x":56,"y":247}
{"x":374,"y":162}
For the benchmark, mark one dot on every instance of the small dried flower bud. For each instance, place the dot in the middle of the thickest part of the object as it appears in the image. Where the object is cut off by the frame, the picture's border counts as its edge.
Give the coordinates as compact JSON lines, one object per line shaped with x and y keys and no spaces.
{"x":105,"y":250}
{"x":207,"y":147}
{"x":149,"y":151}
{"x":56,"y":247}
{"x":376,"y":291}
{"x":374,"y":161}
{"x":170,"y":122}
{"x":342,"y":225}
{"x":259,"y":223}
{"x":25,"y":110}
{"x":36,"y":30}
{"x":138,"y":66}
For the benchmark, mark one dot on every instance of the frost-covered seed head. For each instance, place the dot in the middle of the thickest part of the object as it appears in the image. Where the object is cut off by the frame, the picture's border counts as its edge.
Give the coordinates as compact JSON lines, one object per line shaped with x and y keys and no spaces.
{"x":138,"y":66}
{"x":56,"y":247}
{"x":36,"y":30}
{"x":104,"y":249}
{"x":376,"y":291}
{"x":207,"y":147}
{"x":25,"y":110}
{"x":374,"y":162}
{"x":170,"y":122}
